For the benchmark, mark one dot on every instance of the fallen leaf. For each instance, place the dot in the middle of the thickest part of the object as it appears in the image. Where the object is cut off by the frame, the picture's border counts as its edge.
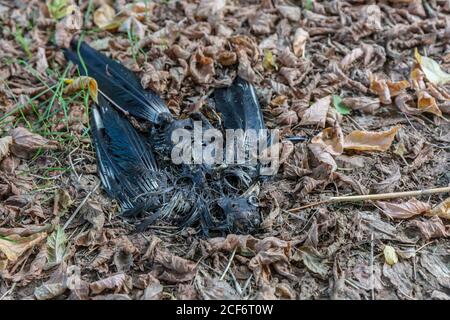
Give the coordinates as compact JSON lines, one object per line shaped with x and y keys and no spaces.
{"x":60,"y":8}
{"x":331,"y":139}
{"x":210,"y":8}
{"x":380,"y":87}
{"x":427,"y":103}
{"x":395,"y":88}
{"x":25,"y":144}
{"x":299,"y":42}
{"x":118,"y":282}
{"x":174,"y":269}
{"x":154,"y":289}
{"x":317,"y":113}
{"x":82,"y":83}
{"x":404,"y":210}
{"x":442,"y":210}
{"x":5,"y":143}
{"x":369,"y":140}
{"x":340,"y":106}
{"x":390,"y":256}
{"x":313,"y":260}
{"x":432,"y":69}
{"x":388,"y":184}
{"x":269,"y":60}
{"x":201,"y":67}
{"x":13,"y":246}
{"x":104,"y":18}
{"x":56,"y":248}
{"x":432,"y":228}
{"x":215,"y":289}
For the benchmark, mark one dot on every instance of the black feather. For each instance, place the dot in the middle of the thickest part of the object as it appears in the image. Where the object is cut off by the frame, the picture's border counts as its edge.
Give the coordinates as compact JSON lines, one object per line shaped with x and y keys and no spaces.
{"x":126,"y":165}
{"x":117,"y":83}
{"x":239,"y":106}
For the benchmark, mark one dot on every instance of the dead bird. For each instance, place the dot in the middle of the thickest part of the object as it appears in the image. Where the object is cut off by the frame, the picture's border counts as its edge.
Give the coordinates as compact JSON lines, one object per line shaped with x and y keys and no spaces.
{"x":128,"y":168}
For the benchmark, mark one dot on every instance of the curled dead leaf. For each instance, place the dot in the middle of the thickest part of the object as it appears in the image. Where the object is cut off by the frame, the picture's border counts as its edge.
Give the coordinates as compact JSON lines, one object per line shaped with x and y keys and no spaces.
{"x":82,"y":83}
{"x":332,"y":140}
{"x":317,"y":113}
{"x":25,"y":144}
{"x":369,"y":140}
{"x":431,"y":228}
{"x":118,"y":282}
{"x":201,"y":67}
{"x":404,"y":210}
{"x":380,"y":87}
{"x":427,"y":103}
{"x":299,"y":42}
{"x":104,"y":18}
{"x":13,"y":246}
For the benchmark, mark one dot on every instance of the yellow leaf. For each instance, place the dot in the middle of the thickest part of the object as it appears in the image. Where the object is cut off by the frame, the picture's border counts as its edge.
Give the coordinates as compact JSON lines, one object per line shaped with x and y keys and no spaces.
{"x":427,"y":103}
{"x":390,"y":256}
{"x":104,"y":18}
{"x":269,"y":60}
{"x":432,"y":69}
{"x":82,"y":83}
{"x":442,"y":210}
{"x":13,"y":246}
{"x":369,"y":140}
{"x":58,"y":9}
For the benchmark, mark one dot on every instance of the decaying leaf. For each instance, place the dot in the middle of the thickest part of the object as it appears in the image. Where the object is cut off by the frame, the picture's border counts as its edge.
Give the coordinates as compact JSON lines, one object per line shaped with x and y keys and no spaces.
{"x":404,"y":210}
{"x":395,"y":88}
{"x":431,"y":228}
{"x":56,"y":247}
{"x":380,"y":87}
{"x":369,"y":140}
{"x":332,"y":140}
{"x":13,"y":246}
{"x":299,"y":42}
{"x":390,"y":256}
{"x":432,"y":69}
{"x":60,"y":8}
{"x":118,"y":282}
{"x":25,"y":144}
{"x":313,"y":260}
{"x":5,"y":143}
{"x":104,"y":18}
{"x":174,"y":269}
{"x":427,"y":103}
{"x":201,"y":67}
{"x":82,"y":83}
{"x":317,"y":113}
{"x":442,"y":210}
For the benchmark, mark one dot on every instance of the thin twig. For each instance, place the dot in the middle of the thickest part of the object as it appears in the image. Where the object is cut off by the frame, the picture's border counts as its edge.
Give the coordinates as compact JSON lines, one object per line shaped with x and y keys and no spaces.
{"x":80,"y":206}
{"x":229,"y":264}
{"x":381,"y":196}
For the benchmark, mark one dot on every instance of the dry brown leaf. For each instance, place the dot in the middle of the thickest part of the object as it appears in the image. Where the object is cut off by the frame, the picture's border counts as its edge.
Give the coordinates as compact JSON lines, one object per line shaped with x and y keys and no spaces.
{"x":25,"y":144}
{"x":13,"y":246}
{"x":395,"y":88}
{"x":5,"y":143}
{"x":174,"y":269}
{"x":299,"y":42}
{"x":369,"y":140}
{"x":427,"y":103}
{"x":118,"y":282}
{"x":380,"y":87}
{"x":404,"y":210}
{"x":442,"y":210}
{"x":82,"y":83}
{"x":67,"y":27}
{"x":332,"y":140}
{"x":201,"y":67}
{"x":432,"y":228}
{"x":317,"y":113}
{"x":210,"y":8}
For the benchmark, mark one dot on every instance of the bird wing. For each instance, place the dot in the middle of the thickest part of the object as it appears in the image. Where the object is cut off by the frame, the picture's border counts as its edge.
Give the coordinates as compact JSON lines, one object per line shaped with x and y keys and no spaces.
{"x":118,"y":84}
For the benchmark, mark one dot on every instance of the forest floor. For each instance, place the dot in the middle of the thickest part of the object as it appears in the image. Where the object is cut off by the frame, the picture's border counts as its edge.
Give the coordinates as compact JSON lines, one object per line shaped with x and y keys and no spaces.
{"x":365,"y":81}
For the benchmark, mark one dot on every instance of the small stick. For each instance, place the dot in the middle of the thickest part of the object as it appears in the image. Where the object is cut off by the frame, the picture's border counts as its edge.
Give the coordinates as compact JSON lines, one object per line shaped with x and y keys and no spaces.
{"x":392,"y":195}
{"x":80,"y":206}
{"x":229,"y":264}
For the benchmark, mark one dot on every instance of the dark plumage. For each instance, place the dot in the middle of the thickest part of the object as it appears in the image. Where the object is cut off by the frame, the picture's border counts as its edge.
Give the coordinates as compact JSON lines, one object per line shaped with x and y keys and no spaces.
{"x":118,"y":84}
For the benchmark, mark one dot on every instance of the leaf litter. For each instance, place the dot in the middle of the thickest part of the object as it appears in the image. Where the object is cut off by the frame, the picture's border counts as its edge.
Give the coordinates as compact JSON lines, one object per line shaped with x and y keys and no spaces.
{"x":368,"y":84}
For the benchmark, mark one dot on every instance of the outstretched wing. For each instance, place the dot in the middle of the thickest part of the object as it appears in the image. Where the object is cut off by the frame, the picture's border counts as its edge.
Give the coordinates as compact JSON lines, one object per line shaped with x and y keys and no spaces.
{"x":126,"y":165}
{"x":118,"y":84}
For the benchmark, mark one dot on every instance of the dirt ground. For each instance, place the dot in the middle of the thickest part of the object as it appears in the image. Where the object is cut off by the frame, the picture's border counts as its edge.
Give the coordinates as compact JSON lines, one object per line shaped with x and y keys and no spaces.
{"x":365,"y":81}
